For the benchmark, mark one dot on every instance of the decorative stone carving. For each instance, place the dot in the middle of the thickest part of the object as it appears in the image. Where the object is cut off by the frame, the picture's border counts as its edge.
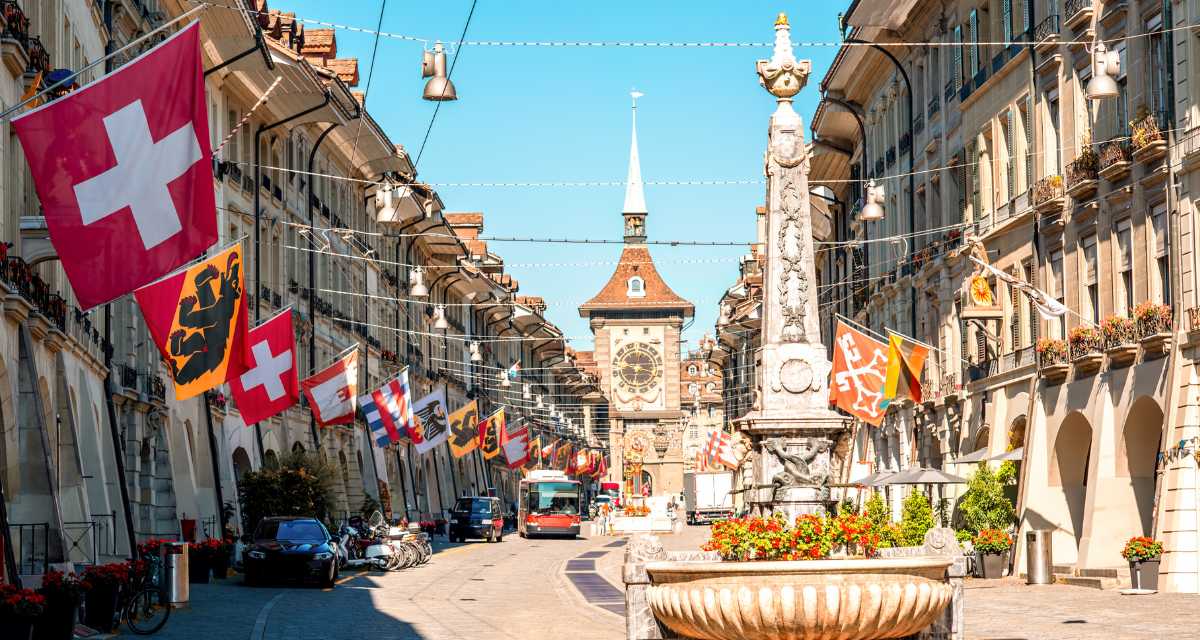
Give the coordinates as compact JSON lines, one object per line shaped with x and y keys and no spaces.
{"x":796,"y":474}
{"x":783,"y":75}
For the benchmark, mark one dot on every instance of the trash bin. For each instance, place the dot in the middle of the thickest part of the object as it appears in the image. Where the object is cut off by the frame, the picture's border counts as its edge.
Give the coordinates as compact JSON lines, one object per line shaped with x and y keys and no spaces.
{"x":1040,"y":569}
{"x":175,"y":573}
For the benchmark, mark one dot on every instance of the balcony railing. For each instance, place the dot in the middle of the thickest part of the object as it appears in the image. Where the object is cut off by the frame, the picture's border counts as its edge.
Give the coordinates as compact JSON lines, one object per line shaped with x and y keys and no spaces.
{"x":1084,"y":168}
{"x":935,"y":106}
{"x":155,"y":388}
{"x":129,"y":376}
{"x":1075,"y":6}
{"x":998,"y":61}
{"x":17,"y":25}
{"x":1112,"y":152}
{"x":949,"y":91}
{"x":879,"y":168}
{"x":985,"y":369}
{"x":1049,"y":27}
{"x":55,"y":310}
{"x":905,"y":143}
{"x":919,"y":124}
{"x":39,"y":60}
{"x":1149,"y":129}
{"x":266,"y":182}
{"x":1047,"y":189}
{"x":891,"y":157}
{"x":264,"y":293}
{"x":1188,"y":142}
{"x":277,"y":301}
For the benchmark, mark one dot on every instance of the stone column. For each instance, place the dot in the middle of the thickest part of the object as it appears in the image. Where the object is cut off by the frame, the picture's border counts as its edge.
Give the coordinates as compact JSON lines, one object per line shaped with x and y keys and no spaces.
{"x":791,"y":425}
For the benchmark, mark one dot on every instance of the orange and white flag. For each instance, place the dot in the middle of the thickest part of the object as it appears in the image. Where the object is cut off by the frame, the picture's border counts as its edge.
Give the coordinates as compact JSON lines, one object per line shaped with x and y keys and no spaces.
{"x":197,"y":317}
{"x":859,"y":371}
{"x":331,"y":392}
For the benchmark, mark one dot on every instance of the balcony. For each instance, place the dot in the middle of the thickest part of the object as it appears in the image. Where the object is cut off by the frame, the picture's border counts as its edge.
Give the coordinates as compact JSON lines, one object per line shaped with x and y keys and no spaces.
{"x":985,"y":369}
{"x":1149,"y":137}
{"x":980,"y":78}
{"x":906,"y":143}
{"x":39,"y":60}
{"x":266,"y":182}
{"x":949,"y":91}
{"x":918,"y":126}
{"x":1081,"y":176}
{"x":248,"y":183}
{"x":891,"y":157}
{"x":1114,"y":160}
{"x":15,"y":38}
{"x":999,"y":61}
{"x":155,"y":387}
{"x":129,"y":376}
{"x":277,"y":193}
{"x":1048,"y":194}
{"x":1046,"y":34}
{"x":934,"y":108}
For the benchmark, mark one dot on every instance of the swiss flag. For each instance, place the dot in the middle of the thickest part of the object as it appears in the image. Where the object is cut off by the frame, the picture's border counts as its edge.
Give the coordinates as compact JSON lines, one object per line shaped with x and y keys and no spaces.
{"x":332,"y":392}
{"x":123,"y":170}
{"x":270,"y":385}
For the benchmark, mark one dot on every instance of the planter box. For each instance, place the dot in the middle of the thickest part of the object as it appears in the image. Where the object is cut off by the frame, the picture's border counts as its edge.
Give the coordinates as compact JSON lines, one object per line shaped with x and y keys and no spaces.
{"x":1144,"y":574}
{"x":1056,"y":372}
{"x":1157,"y":344}
{"x":101,"y":611}
{"x":17,"y":627}
{"x":57,"y":620}
{"x":197,"y":569}
{"x":1122,"y":355}
{"x":1089,"y":364}
{"x":876,"y":598}
{"x":991,"y":566}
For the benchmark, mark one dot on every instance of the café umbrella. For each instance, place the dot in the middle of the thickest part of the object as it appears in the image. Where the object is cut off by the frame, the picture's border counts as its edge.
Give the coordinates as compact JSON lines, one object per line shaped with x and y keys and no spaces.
{"x":922,"y":475}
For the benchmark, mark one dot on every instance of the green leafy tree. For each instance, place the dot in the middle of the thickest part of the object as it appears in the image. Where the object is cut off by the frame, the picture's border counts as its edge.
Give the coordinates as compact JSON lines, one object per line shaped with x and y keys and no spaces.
{"x":941,"y":512}
{"x":984,"y":506}
{"x":916,"y":518}
{"x":293,"y":484}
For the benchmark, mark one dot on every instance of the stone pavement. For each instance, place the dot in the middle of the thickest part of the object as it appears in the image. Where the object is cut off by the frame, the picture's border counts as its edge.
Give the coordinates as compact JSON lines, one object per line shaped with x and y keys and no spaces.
{"x":531,"y":589}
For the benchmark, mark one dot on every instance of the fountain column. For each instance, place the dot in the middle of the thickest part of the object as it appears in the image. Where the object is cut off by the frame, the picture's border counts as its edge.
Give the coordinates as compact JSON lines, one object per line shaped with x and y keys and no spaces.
{"x":794,"y":432}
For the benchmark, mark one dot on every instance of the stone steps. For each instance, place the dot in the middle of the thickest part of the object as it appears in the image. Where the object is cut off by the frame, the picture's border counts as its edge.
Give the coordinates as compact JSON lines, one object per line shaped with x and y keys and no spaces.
{"x":1093,"y":583}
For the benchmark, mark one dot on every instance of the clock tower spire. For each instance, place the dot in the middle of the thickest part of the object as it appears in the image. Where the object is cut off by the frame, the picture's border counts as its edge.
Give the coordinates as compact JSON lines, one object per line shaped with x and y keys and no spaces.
{"x":634,"y":210}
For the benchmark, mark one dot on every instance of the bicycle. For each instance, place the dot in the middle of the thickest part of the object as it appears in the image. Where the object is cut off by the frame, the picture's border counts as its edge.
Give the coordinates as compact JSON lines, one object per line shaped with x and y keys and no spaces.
{"x":143,"y":605}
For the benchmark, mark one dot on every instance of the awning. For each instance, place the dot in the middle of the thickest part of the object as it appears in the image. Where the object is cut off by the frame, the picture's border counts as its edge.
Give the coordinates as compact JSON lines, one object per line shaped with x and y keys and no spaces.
{"x":821,"y":225}
{"x":1015,"y":454}
{"x":977,"y":456}
{"x":873,"y":480}
{"x":921,"y":475}
{"x":827,"y":164}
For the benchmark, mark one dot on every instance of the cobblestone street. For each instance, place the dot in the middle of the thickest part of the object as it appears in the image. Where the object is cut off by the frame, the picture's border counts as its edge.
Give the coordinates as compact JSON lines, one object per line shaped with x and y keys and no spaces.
{"x":571,"y":589}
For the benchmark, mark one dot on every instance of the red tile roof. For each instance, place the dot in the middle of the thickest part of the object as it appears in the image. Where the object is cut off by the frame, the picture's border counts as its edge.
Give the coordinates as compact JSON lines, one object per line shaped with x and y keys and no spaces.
{"x":635,"y":260}
{"x":346,"y":69}
{"x":476,"y":248}
{"x":463,"y":219}
{"x":320,"y":41}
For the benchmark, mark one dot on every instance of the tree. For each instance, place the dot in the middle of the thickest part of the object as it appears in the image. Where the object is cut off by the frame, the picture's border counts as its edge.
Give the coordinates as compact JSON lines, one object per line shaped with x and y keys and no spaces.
{"x":984,"y":506}
{"x":916,"y":518}
{"x":293,"y":484}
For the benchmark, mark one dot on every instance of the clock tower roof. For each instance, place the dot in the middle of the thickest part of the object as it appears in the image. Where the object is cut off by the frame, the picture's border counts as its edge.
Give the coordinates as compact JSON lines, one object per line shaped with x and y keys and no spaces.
{"x":635,"y":286}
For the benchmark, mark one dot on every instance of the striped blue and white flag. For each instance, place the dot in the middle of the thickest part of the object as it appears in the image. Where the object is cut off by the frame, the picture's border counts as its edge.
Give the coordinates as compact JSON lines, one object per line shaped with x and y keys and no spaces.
{"x":389,"y":410}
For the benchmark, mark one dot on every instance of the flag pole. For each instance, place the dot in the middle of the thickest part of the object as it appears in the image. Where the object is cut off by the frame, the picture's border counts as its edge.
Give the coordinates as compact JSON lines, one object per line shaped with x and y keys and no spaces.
{"x":868,"y":330}
{"x":71,"y":78}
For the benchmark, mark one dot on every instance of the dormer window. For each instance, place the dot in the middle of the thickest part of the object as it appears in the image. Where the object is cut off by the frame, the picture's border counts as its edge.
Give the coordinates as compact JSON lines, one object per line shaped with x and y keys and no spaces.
{"x":637,"y":288}
{"x":692,"y":369}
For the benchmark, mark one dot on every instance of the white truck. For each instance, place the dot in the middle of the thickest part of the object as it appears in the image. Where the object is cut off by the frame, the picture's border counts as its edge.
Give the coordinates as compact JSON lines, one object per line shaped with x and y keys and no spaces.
{"x":706,"y":496}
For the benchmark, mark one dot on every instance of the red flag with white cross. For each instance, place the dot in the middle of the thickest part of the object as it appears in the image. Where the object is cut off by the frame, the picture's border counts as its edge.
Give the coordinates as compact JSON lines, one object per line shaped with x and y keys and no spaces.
{"x":333,"y":392}
{"x":270,"y":386}
{"x":123,"y":171}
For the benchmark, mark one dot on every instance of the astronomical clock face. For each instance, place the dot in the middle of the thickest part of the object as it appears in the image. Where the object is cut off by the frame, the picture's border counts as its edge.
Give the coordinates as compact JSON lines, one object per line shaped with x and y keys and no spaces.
{"x":637,"y":368}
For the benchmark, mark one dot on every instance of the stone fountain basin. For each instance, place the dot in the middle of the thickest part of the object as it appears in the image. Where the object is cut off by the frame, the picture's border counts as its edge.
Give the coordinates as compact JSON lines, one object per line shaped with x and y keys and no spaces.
{"x":853,"y":599}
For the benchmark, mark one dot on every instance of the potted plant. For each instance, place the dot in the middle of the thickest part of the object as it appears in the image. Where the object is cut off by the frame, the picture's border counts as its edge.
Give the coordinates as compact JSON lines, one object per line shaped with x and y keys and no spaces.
{"x":439,"y":526}
{"x":1144,"y":556}
{"x":219,"y":558}
{"x":101,"y":599}
{"x":199,"y":555}
{"x":19,"y":609}
{"x":990,"y":545}
{"x":63,"y":593}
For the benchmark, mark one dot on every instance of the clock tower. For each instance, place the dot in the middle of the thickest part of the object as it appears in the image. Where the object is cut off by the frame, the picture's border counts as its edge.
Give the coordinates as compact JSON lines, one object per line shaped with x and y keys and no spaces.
{"x":636,"y":320}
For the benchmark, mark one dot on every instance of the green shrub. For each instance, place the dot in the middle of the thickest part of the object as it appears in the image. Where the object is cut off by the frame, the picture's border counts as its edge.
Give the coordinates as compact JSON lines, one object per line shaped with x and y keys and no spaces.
{"x":878,"y":511}
{"x":984,"y":505}
{"x":369,"y":506}
{"x":915,"y":519}
{"x":847,"y":507}
{"x":292,"y":484}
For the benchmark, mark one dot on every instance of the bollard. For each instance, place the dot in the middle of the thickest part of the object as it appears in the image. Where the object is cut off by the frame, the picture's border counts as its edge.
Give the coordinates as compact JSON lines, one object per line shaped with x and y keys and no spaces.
{"x":175,"y":573}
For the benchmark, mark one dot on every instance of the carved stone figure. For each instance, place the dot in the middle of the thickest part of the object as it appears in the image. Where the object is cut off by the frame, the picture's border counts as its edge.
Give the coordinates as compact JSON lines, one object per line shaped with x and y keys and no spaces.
{"x":796,"y":474}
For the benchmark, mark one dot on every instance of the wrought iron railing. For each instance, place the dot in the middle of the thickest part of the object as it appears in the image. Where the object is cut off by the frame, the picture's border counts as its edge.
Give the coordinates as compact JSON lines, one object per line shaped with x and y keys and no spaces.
{"x":1047,"y":189}
{"x":247,"y":182}
{"x":1048,"y":27}
{"x":155,"y":387}
{"x":1188,"y":142}
{"x":919,"y":124}
{"x":1112,"y":152}
{"x":129,"y":376}
{"x":55,"y":310}
{"x":1152,"y":128}
{"x":31,"y":547}
{"x":998,"y":62}
{"x":905,"y":144}
{"x":935,"y":106}
{"x":949,"y":91}
{"x":87,"y":540}
{"x":891,"y":157}
{"x":217,"y":399}
{"x":277,"y":301}
{"x":264,"y":293}
{"x":985,"y":369}
{"x":1073,"y":7}
{"x":1082,"y":169}
{"x":16,"y":24}
{"x":39,"y":60}
{"x":879,"y":167}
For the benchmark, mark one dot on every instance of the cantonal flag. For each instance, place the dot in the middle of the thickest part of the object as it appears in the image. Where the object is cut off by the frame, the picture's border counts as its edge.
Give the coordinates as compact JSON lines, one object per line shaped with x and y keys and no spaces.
{"x":491,"y":431}
{"x":516,"y":448}
{"x":906,"y":360}
{"x":548,"y":451}
{"x":464,"y":429}
{"x":331,"y":392}
{"x":270,"y":385}
{"x":859,"y":370}
{"x":562,"y":456}
{"x":122,"y":171}
{"x":197,"y":317}
{"x":389,"y":410}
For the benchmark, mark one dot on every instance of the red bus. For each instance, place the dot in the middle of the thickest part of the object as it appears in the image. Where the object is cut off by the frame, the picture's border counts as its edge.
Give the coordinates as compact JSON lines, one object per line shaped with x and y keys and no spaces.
{"x":548,"y":505}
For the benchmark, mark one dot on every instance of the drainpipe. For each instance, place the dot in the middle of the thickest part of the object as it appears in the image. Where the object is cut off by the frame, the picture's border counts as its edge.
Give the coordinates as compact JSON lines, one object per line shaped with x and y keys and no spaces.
{"x":312,"y":289}
{"x":118,"y":449}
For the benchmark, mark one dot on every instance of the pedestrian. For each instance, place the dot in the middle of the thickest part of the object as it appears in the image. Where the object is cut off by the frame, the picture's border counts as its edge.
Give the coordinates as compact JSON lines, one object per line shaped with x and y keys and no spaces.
{"x":602,"y":520}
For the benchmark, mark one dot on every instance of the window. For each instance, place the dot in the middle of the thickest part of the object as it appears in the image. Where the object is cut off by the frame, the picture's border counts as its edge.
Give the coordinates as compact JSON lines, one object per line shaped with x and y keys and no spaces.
{"x":1091,"y":289}
{"x":1124,"y":261}
{"x":1057,"y":288}
{"x":694,"y":431}
{"x":692,"y":370}
{"x":1158,"y":71}
{"x":1162,"y":261}
{"x":694,"y":388}
{"x":645,"y":331}
{"x":1054,"y":121}
{"x":1122,"y":94}
{"x":710,"y":388}
{"x":637,"y":288}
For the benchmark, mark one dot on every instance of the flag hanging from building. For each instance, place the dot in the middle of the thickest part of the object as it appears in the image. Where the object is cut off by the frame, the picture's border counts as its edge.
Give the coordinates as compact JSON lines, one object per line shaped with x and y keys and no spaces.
{"x":721,"y":445}
{"x":1047,"y":306}
{"x":535,"y":449}
{"x":572,"y":464}
{"x":581,"y":463}
{"x":430,"y":421}
{"x":516,"y":448}
{"x":562,"y":456}
{"x":906,"y":361}
{"x":512,"y":371}
{"x":490,"y":434}
{"x":859,"y":371}
{"x":464,"y":429}
{"x":197,"y":317}
{"x":603,"y":469}
{"x":122,"y":171}
{"x":270,"y":385}
{"x":331,"y":392}
{"x":548,"y":452}
{"x":389,"y":410}
{"x":701,"y":460}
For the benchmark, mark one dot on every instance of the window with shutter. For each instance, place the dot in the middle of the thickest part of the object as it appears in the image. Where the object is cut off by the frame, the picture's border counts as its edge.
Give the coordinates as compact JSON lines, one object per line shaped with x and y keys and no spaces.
{"x":961,"y":177}
{"x":1027,"y":306}
{"x":974,"y":42}
{"x":1124,"y":246}
{"x":1010,"y":152}
{"x":1159,"y":214}
{"x":975,"y":170}
{"x":1007,"y":21}
{"x":1089,"y":260}
{"x":1056,"y":274}
{"x":1026,"y":7}
{"x":958,"y":62}
{"x":1015,"y":319}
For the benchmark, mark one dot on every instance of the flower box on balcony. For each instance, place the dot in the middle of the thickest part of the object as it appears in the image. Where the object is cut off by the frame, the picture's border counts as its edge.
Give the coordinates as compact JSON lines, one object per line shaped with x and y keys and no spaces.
{"x":1056,"y":372}
{"x":1157,"y":344}
{"x":1151,"y":151}
{"x":1122,"y":355}
{"x":1088,"y":364}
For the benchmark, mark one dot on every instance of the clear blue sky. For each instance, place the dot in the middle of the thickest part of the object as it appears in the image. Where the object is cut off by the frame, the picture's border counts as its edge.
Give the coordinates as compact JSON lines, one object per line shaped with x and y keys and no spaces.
{"x":561,"y":114}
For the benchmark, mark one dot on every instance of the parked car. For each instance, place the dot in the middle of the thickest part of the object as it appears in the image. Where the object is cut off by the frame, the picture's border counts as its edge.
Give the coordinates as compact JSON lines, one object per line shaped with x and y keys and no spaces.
{"x":292,"y":548}
{"x":479,"y":517}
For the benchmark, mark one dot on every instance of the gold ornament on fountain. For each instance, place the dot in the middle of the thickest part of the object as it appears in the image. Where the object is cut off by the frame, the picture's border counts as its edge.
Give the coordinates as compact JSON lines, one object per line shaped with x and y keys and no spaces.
{"x":783,"y":75}
{"x":782,"y":19}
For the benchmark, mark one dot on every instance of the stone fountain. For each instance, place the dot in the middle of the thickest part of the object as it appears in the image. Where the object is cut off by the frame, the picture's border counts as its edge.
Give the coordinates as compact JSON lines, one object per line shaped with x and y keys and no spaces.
{"x":795,"y":437}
